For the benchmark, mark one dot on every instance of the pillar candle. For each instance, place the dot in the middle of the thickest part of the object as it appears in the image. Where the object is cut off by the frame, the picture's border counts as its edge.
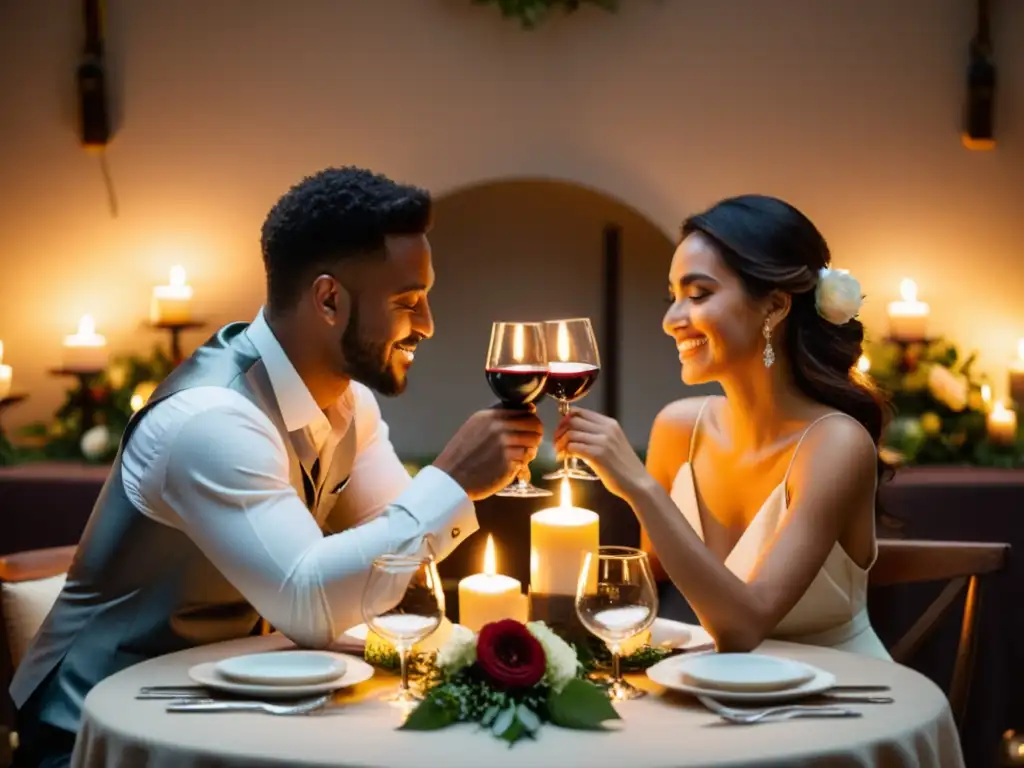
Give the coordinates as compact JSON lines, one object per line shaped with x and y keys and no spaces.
{"x":489,"y":596}
{"x":6,"y":375}
{"x":85,"y":350}
{"x":908,"y":318}
{"x":1002,"y":425}
{"x":1017,"y":376}
{"x":560,"y":538}
{"x":171,"y":303}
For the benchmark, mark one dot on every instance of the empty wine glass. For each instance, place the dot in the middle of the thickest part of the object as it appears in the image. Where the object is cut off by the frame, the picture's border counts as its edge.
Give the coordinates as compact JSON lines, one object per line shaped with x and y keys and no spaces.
{"x":516,"y":369}
{"x":616,"y":600}
{"x":403,"y":602}
{"x":573,"y":368}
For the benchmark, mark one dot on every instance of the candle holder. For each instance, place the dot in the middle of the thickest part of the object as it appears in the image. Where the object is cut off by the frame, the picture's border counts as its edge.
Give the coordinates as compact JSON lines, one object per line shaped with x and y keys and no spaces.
{"x":7,"y":402}
{"x":82,"y":396}
{"x":175,"y":330}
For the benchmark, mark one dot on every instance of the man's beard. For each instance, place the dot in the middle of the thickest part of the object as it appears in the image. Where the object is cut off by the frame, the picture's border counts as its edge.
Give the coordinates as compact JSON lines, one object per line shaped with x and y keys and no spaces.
{"x":369,"y":362}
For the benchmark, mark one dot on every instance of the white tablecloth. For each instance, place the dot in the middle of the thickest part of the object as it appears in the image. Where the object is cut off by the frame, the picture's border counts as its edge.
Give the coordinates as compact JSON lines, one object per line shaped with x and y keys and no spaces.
{"x":661,"y":730}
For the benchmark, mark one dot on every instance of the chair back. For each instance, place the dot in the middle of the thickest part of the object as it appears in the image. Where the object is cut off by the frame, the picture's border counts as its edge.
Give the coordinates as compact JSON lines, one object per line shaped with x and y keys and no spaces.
{"x":29,"y":584}
{"x":963,"y":564}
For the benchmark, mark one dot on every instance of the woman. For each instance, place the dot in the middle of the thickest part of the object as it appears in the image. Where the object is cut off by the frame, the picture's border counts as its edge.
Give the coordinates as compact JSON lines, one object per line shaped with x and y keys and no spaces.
{"x":760,"y":505}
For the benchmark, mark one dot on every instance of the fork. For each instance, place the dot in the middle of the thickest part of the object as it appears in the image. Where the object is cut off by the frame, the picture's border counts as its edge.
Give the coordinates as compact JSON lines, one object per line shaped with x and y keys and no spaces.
{"x":208,"y":705}
{"x":749,"y":717}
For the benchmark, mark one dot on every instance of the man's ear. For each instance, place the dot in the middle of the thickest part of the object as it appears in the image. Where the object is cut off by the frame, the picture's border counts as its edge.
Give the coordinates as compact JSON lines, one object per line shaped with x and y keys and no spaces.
{"x":332,"y":301}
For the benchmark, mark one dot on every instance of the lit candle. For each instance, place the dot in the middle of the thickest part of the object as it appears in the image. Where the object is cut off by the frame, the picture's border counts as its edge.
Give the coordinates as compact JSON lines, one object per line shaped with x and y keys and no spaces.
{"x":171,"y":303}
{"x":986,"y":397}
{"x":6,"y":374}
{"x":1017,"y":376}
{"x":863,"y":364}
{"x":487,"y":597}
{"x":908,"y":318}
{"x":85,"y":350}
{"x":560,"y":539}
{"x":1002,"y":425}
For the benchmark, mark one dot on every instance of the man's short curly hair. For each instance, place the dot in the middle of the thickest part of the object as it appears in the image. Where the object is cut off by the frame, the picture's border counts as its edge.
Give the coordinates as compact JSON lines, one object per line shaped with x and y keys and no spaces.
{"x":337,"y":213}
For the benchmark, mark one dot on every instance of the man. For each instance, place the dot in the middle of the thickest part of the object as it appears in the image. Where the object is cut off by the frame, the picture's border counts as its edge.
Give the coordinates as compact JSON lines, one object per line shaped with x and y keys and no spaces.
{"x":259,"y":481}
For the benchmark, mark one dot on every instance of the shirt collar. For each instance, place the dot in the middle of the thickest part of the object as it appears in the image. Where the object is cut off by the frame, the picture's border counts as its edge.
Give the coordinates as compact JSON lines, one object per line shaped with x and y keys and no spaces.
{"x":298,"y":408}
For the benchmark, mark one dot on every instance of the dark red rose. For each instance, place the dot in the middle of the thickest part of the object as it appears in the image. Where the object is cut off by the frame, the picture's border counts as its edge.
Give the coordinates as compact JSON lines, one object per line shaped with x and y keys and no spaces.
{"x":509,"y":655}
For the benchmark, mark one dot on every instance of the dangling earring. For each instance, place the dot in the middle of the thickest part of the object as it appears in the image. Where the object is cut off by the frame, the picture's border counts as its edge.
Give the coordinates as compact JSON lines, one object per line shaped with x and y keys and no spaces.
{"x":769,"y":352}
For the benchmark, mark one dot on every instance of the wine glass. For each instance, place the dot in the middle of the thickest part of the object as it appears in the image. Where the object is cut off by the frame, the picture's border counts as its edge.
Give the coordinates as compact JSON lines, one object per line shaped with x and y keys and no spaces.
{"x":573,"y":367}
{"x":517,"y":367}
{"x":403,"y":602}
{"x":616,"y":600}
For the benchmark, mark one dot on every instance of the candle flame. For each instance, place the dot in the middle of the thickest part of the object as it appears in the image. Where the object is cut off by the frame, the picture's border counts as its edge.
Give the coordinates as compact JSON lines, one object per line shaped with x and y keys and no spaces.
{"x":518,"y":343}
{"x":86,"y":326}
{"x":490,"y":561}
{"x":908,"y":290}
{"x":1000,"y":412}
{"x":986,"y":393}
{"x":863,"y":365}
{"x":562,"y":343}
{"x":177,"y":276}
{"x":565,"y":494}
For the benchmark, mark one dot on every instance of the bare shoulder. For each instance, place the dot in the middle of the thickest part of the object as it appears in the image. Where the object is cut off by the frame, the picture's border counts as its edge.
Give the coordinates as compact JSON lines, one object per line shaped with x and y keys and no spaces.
{"x":837,"y":451}
{"x":669,"y":443}
{"x":676,"y":419}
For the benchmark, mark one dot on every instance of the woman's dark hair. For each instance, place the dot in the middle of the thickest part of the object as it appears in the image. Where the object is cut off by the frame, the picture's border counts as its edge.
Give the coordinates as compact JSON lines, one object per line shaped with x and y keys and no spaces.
{"x":771,"y":245}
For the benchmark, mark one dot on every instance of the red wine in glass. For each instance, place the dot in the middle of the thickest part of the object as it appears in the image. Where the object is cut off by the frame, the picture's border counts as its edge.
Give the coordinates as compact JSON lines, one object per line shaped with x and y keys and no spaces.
{"x":573,"y":368}
{"x":517,"y":385}
{"x":569,"y":382}
{"x":516,"y":371}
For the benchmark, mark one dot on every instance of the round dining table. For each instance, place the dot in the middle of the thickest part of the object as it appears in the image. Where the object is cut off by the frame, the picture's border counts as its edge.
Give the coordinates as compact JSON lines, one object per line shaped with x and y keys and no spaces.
{"x":664,"y":729}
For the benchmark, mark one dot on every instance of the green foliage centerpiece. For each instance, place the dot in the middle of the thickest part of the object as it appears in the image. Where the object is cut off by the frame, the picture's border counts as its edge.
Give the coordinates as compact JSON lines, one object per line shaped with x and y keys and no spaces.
{"x":941,"y":405}
{"x":511,"y":679}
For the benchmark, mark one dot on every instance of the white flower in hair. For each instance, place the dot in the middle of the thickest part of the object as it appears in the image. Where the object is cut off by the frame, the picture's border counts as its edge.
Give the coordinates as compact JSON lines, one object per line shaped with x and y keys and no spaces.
{"x":837,"y":295}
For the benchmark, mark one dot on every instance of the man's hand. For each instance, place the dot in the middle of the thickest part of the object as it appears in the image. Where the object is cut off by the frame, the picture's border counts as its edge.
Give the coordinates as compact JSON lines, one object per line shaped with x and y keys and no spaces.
{"x":490,"y":449}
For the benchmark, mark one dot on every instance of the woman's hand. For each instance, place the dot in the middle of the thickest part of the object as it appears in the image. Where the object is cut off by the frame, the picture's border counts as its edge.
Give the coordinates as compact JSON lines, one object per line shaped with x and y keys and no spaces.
{"x":600,"y":441}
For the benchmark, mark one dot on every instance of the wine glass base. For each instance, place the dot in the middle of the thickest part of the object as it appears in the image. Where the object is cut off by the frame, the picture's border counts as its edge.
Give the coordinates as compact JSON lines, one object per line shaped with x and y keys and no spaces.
{"x":620,"y":690}
{"x":572,"y":474}
{"x":524,"y":492}
{"x":403,"y":697}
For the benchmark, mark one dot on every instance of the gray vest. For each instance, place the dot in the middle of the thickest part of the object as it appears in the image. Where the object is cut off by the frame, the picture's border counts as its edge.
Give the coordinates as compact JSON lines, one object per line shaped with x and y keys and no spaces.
{"x":139,"y":589}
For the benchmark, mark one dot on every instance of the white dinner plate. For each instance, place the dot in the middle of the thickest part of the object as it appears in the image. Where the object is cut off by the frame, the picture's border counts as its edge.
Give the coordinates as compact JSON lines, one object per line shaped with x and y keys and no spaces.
{"x":671,"y":673}
{"x":206,"y":674}
{"x":283,"y":668}
{"x":744,"y":672}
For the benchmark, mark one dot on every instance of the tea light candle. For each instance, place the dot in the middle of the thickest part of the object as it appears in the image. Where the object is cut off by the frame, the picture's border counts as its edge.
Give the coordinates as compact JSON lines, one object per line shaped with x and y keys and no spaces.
{"x":6,"y":375}
{"x":489,"y":596}
{"x":1017,"y":376}
{"x":86,"y":350}
{"x":171,"y":303}
{"x":908,"y":318}
{"x":560,"y":539}
{"x":1002,"y":425}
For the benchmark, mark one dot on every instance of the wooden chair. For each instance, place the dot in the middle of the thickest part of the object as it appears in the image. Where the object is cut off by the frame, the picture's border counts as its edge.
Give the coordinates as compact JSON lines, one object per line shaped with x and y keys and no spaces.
{"x":29,"y":584}
{"x":959,"y":562}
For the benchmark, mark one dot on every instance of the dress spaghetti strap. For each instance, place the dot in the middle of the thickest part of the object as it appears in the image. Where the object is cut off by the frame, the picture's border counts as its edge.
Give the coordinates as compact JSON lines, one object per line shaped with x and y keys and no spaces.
{"x":693,"y":432}
{"x":792,"y":459}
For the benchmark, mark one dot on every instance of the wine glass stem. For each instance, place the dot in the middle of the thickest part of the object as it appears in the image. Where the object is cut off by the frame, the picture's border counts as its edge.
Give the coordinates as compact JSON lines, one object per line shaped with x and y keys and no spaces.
{"x":563,"y":408}
{"x":403,"y":662}
{"x":616,"y":667}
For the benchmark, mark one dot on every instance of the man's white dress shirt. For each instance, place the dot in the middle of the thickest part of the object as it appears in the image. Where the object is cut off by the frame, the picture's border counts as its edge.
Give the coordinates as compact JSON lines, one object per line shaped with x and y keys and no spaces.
{"x":210,"y":463}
